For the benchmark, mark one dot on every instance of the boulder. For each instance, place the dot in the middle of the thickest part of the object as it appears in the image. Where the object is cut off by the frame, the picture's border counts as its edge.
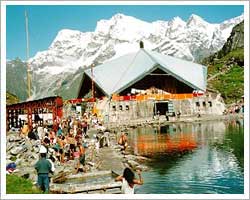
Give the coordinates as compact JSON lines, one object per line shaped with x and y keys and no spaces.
{"x":18,"y":161}
{"x":133,"y":164}
{"x":9,"y":146}
{"x":18,"y":150}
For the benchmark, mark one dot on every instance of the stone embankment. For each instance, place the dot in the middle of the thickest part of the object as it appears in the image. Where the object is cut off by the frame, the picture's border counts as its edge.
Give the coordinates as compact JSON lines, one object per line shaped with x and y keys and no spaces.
{"x":182,"y":119}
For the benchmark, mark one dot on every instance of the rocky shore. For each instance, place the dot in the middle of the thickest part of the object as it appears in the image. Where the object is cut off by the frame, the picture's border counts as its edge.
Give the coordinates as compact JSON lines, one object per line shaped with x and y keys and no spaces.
{"x":25,"y":153}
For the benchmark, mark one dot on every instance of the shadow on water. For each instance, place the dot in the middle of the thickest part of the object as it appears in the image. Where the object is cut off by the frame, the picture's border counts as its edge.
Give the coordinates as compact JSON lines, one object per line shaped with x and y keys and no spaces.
{"x":168,"y":160}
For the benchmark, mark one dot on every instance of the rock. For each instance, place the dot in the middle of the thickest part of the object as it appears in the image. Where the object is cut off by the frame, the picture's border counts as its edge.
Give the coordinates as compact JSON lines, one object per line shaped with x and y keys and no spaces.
{"x":142,"y":167}
{"x":141,"y":158}
{"x":59,"y":169}
{"x":133,"y":164}
{"x":18,"y":150}
{"x":131,"y":157}
{"x":8,"y":161}
{"x":14,"y":138}
{"x":10,"y":146}
{"x":18,"y":161}
{"x":29,"y":145}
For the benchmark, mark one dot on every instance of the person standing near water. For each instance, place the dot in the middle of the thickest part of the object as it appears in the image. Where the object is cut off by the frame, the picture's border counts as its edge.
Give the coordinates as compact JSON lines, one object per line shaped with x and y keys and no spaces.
{"x":129,"y":181}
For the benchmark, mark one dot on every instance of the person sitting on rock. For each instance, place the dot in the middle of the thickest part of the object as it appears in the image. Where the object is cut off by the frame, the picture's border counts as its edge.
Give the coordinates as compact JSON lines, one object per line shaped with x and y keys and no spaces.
{"x":129,"y":181}
{"x":123,"y":141}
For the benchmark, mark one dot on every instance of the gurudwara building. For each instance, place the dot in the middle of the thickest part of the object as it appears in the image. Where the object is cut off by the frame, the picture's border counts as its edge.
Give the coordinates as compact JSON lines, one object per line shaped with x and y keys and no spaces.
{"x":146,"y":83}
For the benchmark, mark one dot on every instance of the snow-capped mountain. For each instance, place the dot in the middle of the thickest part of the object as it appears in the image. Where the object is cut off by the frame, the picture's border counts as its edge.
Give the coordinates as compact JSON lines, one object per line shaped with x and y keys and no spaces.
{"x":73,"y":50}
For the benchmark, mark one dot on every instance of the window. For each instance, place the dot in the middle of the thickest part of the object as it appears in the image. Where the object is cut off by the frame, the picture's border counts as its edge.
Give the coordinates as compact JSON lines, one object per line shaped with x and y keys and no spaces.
{"x":120,"y":107}
{"x":114,"y":108}
{"x":204,"y":104}
{"x":197,"y":104}
{"x":210,"y":103}
{"x":127,"y":107}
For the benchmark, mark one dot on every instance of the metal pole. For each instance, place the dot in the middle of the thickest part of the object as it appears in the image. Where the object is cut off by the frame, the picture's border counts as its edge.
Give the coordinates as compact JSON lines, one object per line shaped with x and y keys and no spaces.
{"x":27,"y":54}
{"x":92,"y":81}
{"x":92,"y":87}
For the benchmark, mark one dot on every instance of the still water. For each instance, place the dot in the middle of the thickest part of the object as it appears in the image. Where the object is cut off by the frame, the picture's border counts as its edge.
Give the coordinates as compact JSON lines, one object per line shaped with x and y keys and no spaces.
{"x":192,"y":158}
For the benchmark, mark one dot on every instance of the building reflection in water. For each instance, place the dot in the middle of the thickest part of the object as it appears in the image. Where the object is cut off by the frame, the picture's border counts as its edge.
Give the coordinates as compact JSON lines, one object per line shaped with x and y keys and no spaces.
{"x":214,"y":164}
{"x":174,"y":138}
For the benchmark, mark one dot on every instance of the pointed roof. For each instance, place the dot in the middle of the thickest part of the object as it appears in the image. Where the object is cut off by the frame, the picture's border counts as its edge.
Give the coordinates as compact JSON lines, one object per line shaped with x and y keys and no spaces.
{"x":116,"y":75}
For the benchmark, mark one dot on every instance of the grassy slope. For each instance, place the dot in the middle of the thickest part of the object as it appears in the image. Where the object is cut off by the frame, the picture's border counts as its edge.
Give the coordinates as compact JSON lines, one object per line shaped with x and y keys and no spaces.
{"x":18,"y":185}
{"x":11,"y":99}
{"x":230,"y":83}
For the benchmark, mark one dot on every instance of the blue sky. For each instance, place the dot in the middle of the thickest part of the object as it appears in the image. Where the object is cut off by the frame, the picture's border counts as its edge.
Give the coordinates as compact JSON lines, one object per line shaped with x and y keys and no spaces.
{"x":46,"y":21}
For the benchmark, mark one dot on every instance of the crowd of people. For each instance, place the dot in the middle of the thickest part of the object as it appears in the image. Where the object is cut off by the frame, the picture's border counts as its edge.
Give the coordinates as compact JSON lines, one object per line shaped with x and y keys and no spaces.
{"x":65,"y":141}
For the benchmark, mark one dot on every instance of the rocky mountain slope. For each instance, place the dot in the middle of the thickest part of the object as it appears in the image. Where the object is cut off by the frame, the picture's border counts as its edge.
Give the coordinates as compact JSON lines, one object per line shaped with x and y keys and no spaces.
{"x":226,"y":67}
{"x":16,"y":76}
{"x":56,"y":70}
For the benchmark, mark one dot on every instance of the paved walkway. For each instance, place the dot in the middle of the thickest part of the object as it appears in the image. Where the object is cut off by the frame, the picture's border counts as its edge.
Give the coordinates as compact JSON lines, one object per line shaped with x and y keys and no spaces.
{"x":111,"y":160}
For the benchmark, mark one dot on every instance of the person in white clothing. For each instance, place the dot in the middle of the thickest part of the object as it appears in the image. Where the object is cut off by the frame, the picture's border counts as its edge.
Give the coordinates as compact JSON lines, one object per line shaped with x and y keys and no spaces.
{"x":129,"y":181}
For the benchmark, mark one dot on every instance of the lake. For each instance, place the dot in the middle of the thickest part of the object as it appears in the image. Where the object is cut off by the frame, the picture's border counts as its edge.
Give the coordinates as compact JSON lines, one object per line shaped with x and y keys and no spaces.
{"x":191,"y":158}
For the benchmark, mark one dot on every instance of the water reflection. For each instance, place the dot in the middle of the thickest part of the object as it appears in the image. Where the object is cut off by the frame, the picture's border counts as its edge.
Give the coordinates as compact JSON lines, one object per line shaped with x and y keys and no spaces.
{"x":192,"y":158}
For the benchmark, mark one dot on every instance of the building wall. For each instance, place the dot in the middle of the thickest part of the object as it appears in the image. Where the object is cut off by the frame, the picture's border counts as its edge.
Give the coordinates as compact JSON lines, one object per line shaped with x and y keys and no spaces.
{"x":205,"y":105}
{"x":122,"y":111}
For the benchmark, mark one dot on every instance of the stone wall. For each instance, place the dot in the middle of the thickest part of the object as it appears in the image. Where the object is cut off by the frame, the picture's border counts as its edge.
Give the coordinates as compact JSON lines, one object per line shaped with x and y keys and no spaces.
{"x":130,"y":110}
{"x":120,"y":111}
{"x":208,"y":104}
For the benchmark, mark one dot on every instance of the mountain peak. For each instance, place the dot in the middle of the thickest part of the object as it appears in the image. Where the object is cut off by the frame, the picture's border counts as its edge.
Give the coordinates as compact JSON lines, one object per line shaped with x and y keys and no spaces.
{"x":177,"y":21}
{"x":66,"y":34}
{"x":123,"y":27}
{"x":118,"y":16}
{"x":195,"y":20}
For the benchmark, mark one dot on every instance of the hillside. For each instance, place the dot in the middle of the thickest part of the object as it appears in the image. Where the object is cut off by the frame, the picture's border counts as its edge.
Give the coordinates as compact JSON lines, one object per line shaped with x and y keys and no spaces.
{"x":11,"y":98}
{"x":16,"y":76}
{"x":226,"y":67}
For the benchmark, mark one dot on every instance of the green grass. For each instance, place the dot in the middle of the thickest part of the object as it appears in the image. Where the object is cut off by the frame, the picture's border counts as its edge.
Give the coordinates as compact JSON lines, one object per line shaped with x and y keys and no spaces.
{"x":214,"y":69}
{"x":19,"y":185}
{"x":230,"y":84}
{"x":237,"y":55}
